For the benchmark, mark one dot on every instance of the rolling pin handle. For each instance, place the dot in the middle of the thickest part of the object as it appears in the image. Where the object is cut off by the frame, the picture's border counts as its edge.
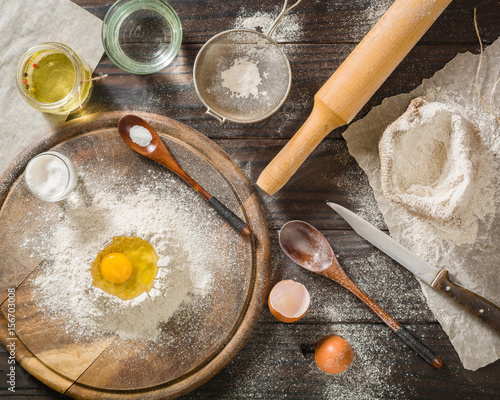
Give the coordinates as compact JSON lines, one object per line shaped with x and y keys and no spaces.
{"x":319,"y":124}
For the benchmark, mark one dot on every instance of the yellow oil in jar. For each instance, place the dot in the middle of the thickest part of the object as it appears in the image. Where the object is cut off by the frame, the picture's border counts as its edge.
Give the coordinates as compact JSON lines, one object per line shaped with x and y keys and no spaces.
{"x":50,"y":77}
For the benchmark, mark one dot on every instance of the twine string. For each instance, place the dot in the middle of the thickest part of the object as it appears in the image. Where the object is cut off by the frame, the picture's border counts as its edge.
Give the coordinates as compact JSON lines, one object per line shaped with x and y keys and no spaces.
{"x":97,"y":78}
{"x":488,"y":106}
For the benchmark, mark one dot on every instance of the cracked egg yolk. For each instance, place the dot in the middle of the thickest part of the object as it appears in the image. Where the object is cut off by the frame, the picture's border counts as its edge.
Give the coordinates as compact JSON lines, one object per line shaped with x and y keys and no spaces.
{"x":126,"y":268}
{"x":116,"y":267}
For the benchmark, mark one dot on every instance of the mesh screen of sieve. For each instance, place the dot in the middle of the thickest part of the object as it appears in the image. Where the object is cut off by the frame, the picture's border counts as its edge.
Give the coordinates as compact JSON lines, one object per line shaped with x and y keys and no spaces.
{"x":220,"y":53}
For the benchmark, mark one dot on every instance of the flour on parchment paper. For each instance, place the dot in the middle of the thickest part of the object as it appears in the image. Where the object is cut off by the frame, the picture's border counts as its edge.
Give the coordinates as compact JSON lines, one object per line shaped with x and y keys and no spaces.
{"x":468,"y":245}
{"x":430,"y":158}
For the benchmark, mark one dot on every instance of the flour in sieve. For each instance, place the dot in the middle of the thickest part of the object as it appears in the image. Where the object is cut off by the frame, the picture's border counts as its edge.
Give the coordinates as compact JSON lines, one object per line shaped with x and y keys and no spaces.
{"x":242,"y":78}
{"x":175,"y":221}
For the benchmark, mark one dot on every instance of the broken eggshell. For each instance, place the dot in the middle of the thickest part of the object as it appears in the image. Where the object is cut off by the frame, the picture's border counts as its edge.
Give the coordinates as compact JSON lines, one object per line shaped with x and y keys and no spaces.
{"x":289,"y":301}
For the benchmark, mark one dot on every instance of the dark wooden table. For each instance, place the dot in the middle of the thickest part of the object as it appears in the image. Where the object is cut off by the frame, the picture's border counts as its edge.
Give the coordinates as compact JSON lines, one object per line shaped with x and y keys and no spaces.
{"x":278,"y":361}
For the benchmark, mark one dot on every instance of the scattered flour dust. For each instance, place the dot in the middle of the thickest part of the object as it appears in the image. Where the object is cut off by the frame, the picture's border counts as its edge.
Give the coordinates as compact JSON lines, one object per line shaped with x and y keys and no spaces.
{"x":242,"y":78}
{"x":176,"y":222}
{"x":370,"y":376}
{"x":360,"y":23}
{"x":288,"y":30}
{"x":376,"y":9}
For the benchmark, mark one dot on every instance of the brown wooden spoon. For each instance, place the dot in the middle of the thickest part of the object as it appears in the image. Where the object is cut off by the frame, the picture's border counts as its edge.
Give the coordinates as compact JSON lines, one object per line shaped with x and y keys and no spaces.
{"x":306,"y":246}
{"x":157,"y":151}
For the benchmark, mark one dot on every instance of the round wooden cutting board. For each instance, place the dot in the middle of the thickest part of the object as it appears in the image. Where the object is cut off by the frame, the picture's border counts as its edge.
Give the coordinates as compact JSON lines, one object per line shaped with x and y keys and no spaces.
{"x":195,"y":343}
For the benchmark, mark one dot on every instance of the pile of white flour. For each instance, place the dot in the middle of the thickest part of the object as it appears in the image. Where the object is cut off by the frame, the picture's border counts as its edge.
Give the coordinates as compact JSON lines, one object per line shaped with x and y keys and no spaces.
{"x":429,"y":159}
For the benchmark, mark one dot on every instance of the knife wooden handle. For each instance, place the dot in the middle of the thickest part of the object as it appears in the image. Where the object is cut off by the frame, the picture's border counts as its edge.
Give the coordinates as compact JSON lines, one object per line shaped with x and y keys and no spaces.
{"x":484,"y":310}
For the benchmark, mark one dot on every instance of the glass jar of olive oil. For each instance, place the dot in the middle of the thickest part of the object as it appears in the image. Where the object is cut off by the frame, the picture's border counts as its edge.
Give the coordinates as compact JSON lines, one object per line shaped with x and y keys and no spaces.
{"x":53,"y":79}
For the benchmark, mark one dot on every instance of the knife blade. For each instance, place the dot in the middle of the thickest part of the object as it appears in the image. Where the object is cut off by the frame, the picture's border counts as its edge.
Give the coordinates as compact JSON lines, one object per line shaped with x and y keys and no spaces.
{"x":479,"y":307}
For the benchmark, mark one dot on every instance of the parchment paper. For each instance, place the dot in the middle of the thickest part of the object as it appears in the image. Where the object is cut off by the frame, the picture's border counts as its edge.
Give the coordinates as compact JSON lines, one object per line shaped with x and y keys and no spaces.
{"x":474,"y":266}
{"x":24,"y":24}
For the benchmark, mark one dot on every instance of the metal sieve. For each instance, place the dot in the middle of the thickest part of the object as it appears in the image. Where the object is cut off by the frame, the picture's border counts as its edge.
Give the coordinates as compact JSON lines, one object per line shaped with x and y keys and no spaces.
{"x":237,"y":47}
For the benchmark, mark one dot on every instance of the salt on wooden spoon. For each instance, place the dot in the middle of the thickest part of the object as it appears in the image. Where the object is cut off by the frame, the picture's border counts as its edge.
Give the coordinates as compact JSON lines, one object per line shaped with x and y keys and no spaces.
{"x":157,"y":151}
{"x":307,"y":247}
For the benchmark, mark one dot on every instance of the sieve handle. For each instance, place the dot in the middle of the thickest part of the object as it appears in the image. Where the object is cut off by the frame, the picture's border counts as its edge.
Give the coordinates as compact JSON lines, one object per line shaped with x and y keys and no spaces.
{"x":213,"y":114}
{"x":282,"y":14}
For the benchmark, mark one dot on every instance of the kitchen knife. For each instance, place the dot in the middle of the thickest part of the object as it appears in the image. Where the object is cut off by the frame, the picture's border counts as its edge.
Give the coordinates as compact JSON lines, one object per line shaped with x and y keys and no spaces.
{"x":482,"y":309}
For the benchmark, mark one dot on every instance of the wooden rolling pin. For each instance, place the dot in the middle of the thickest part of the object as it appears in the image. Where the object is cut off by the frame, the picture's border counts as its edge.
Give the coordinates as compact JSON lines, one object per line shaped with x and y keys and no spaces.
{"x":354,"y":82}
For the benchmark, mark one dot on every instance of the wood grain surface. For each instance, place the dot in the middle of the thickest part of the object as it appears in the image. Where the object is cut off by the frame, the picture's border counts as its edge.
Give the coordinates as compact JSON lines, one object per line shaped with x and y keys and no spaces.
{"x":277,"y":362}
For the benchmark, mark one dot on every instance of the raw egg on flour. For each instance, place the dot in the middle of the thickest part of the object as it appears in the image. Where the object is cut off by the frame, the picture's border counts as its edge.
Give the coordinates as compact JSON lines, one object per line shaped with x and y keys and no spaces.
{"x":126,"y":268}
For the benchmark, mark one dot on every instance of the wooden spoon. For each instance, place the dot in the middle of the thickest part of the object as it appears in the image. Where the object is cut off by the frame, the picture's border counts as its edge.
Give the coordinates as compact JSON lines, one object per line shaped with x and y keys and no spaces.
{"x":157,"y":151}
{"x":306,"y":246}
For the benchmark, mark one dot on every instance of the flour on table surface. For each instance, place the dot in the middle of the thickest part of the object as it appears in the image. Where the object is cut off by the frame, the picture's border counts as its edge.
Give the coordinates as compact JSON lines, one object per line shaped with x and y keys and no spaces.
{"x":467,"y":245}
{"x":359,"y":24}
{"x":288,"y":30}
{"x":376,"y":9}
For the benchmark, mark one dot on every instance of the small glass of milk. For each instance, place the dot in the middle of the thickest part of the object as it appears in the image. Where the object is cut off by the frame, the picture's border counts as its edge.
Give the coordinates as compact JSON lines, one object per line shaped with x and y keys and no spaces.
{"x":50,"y":176}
